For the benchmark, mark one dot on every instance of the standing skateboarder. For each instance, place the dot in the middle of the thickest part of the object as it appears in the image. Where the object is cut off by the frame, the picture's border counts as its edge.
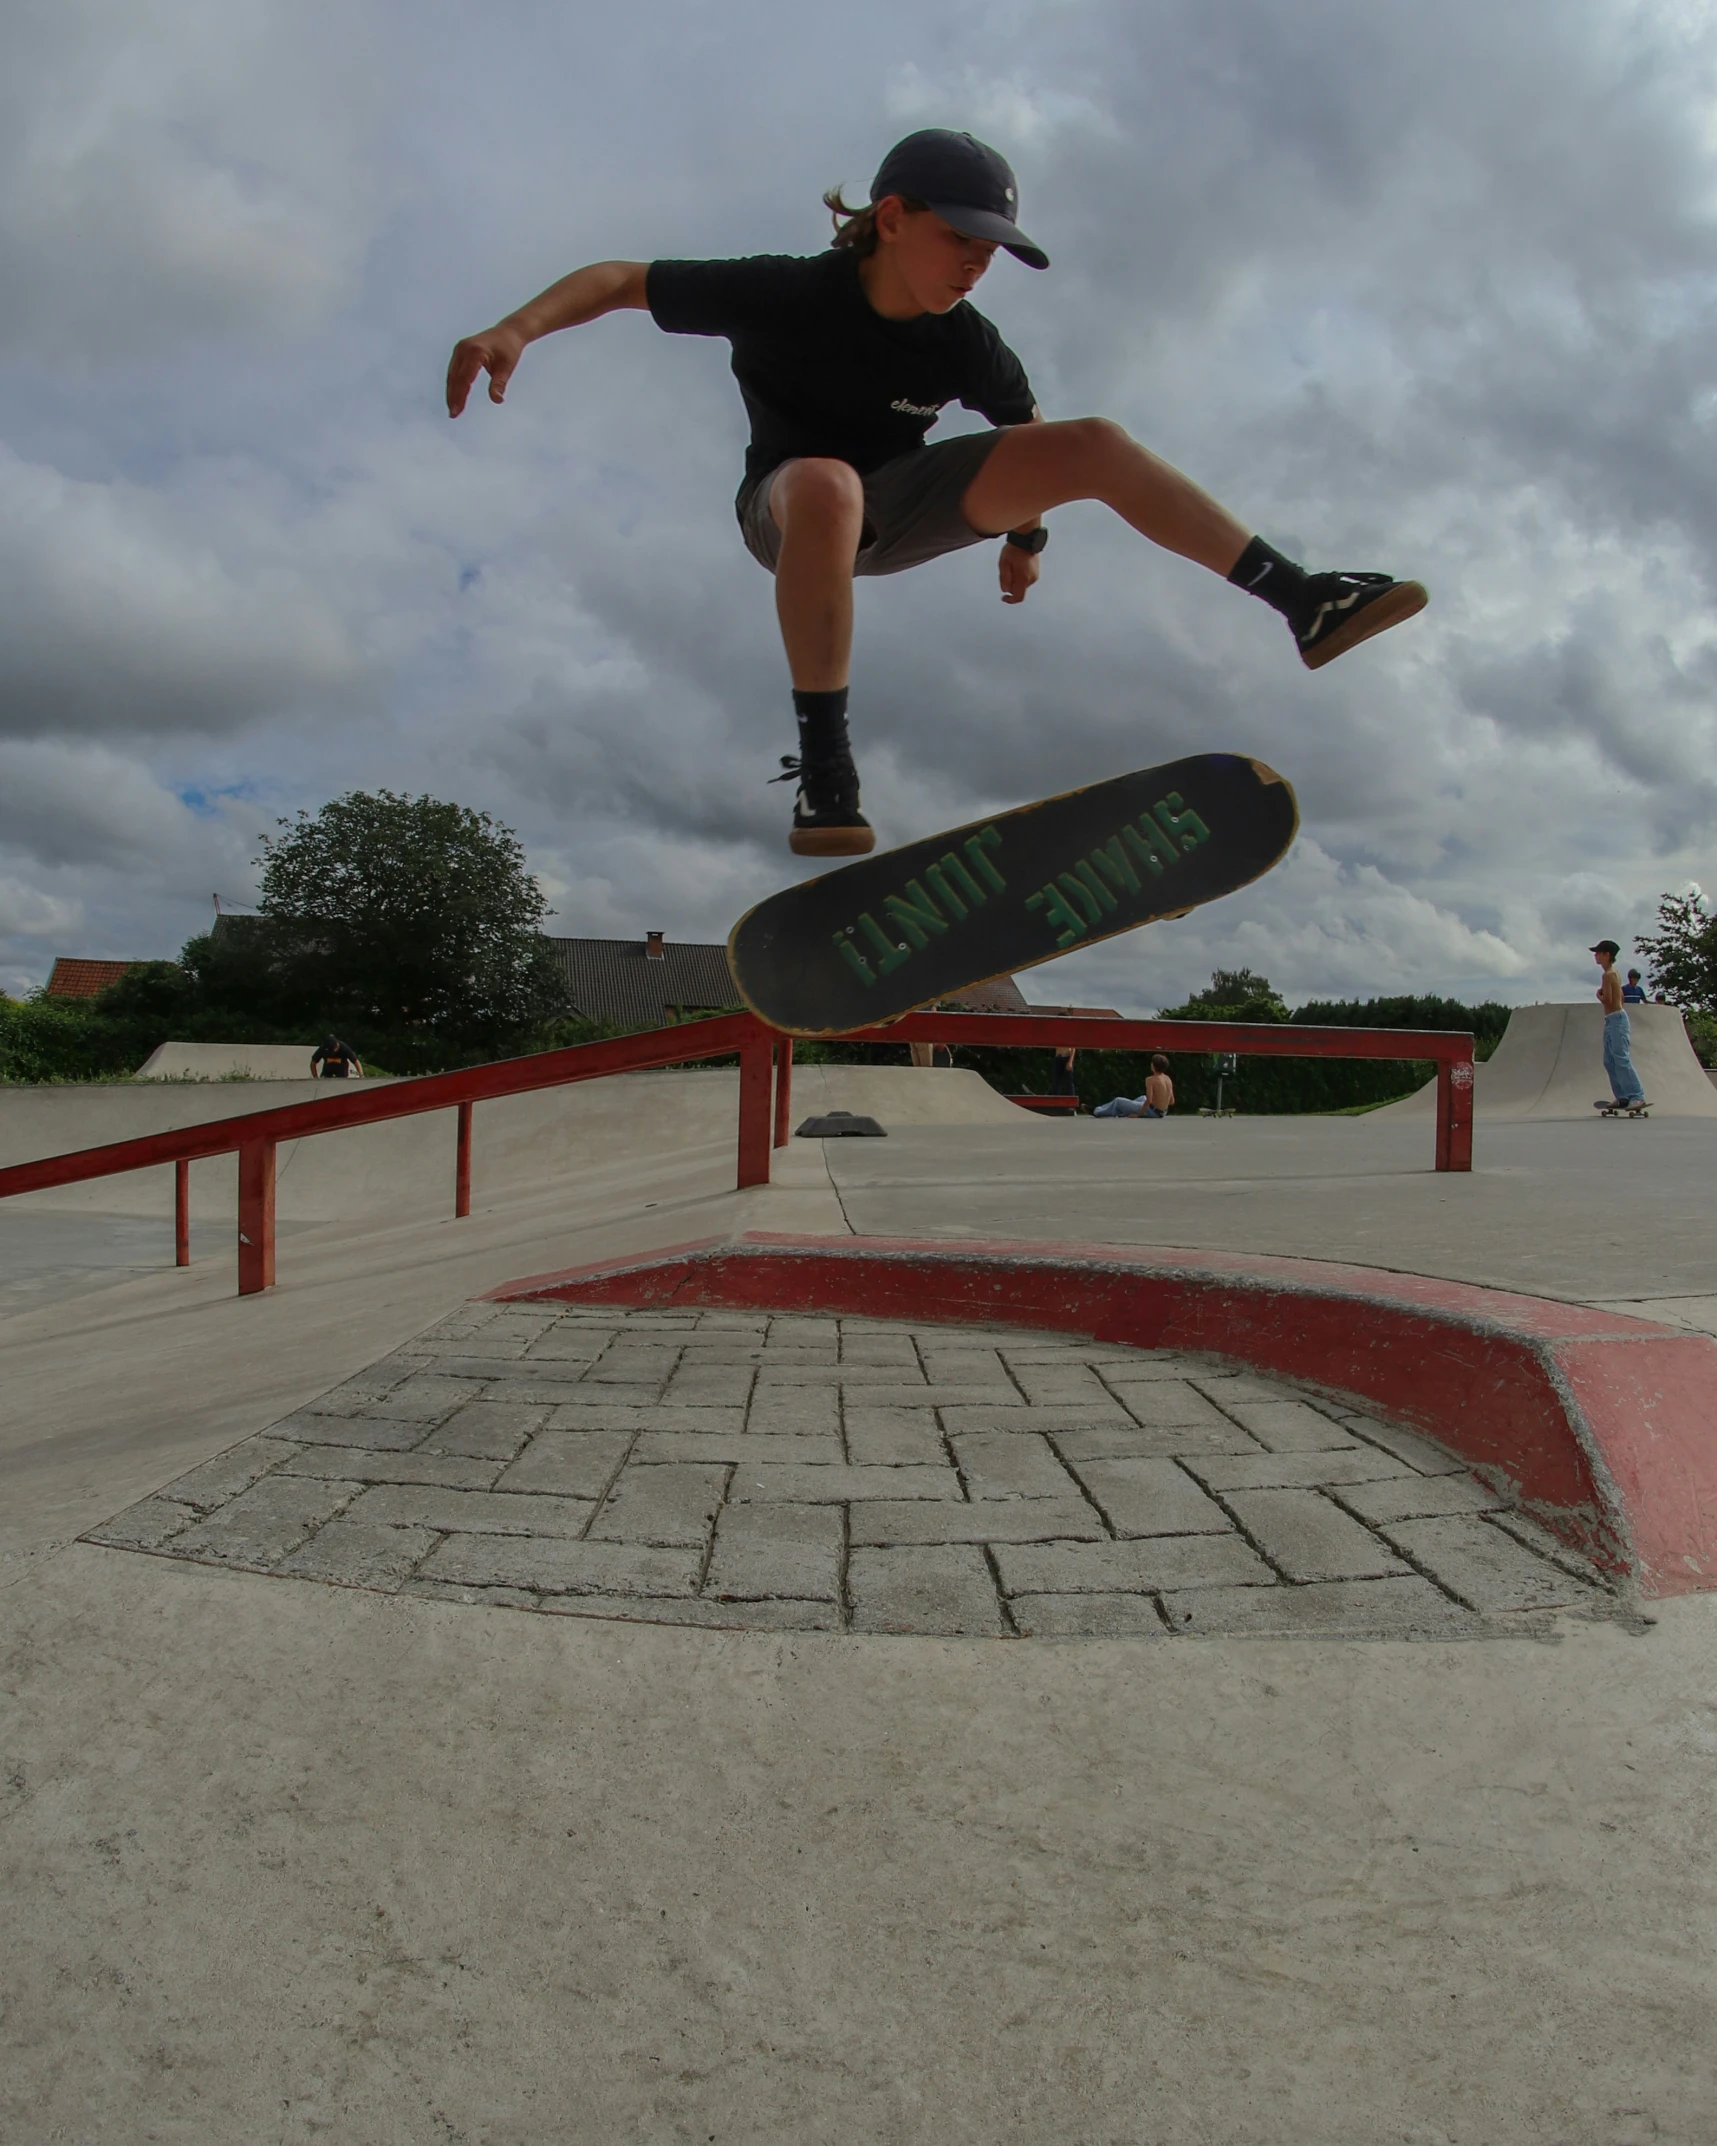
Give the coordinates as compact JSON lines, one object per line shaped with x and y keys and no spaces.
{"x":845,"y":360}
{"x":1618,"y":1040}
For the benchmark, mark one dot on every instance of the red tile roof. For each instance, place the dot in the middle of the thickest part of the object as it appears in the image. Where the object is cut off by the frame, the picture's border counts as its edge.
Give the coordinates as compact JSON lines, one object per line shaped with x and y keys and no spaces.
{"x":76,"y":978}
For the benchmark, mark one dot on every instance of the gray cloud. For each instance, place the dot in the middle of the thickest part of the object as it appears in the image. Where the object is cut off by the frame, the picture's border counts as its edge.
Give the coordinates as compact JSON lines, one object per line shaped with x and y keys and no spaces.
{"x":1430,"y":289}
{"x":122,"y":612}
{"x":172,"y":169}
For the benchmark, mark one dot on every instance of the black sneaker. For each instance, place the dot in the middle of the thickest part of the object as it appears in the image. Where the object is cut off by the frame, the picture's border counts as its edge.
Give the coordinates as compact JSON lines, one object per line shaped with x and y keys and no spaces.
{"x":1341,"y":610}
{"x":827,"y":821}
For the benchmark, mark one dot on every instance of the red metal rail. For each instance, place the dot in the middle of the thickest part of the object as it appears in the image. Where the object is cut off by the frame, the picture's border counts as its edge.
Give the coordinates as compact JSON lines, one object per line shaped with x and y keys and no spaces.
{"x":765,"y":1098}
{"x":1451,"y":1053}
{"x":255,"y":1136}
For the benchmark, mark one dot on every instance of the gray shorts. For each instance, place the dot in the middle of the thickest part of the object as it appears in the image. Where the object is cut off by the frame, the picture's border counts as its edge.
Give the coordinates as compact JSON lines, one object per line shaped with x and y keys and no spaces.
{"x":911,"y":507}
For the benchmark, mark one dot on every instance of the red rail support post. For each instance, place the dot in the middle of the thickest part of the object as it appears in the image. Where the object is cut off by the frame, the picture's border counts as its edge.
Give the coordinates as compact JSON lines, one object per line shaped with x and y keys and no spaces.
{"x":756,"y":1080}
{"x":462,"y":1163}
{"x":181,"y":1214}
{"x":1455,"y":1114}
{"x":255,"y":1217}
{"x":783,"y":1091}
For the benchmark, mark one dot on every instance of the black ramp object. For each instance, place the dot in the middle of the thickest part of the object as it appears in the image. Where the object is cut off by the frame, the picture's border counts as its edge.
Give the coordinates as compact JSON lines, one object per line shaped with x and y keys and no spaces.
{"x":912,"y":925}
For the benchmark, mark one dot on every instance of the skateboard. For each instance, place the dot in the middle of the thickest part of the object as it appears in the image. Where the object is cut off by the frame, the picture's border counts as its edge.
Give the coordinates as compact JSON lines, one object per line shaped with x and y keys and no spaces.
{"x":1622,"y":1110}
{"x":909,"y":926}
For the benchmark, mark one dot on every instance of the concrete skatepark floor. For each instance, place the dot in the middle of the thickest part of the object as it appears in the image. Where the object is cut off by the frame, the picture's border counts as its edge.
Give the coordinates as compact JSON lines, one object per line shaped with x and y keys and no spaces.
{"x":799,"y":1474}
{"x":292,"y":1862}
{"x":46,"y":1257}
{"x":1591,"y":1212}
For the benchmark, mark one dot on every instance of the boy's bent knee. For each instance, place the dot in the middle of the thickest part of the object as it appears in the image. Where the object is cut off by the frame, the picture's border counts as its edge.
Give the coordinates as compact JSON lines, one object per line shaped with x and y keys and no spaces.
{"x":1095,"y":440}
{"x":817,"y":486}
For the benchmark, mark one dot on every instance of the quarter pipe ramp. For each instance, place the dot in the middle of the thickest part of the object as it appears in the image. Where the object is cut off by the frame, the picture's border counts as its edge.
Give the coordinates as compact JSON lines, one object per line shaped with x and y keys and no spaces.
{"x":1550,"y":1064}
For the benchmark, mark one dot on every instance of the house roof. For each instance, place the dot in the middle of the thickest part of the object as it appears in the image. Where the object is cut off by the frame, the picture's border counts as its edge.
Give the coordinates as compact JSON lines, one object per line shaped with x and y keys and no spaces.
{"x":619,"y":980}
{"x":229,"y":926}
{"x":73,"y":977}
{"x":1000,"y":995}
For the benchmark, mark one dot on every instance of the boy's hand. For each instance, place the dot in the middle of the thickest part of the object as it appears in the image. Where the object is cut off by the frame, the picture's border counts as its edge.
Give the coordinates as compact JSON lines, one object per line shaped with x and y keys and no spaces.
{"x":1017,"y":570}
{"x":496,"y":351}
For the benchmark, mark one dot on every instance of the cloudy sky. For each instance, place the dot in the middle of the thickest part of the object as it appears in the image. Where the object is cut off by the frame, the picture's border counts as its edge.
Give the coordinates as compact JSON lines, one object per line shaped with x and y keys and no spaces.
{"x":1426,"y":288}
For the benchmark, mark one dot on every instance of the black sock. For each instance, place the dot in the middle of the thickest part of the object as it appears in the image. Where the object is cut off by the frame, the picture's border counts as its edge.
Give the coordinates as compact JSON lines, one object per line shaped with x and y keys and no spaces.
{"x":1265,"y":573}
{"x":822,"y":724}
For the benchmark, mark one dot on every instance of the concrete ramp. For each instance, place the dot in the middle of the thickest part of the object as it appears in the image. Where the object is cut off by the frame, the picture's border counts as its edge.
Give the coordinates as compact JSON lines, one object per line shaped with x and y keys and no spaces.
{"x":1550,"y":1064}
{"x":523,"y":1144}
{"x":904,"y":1095}
{"x":227,"y":1061}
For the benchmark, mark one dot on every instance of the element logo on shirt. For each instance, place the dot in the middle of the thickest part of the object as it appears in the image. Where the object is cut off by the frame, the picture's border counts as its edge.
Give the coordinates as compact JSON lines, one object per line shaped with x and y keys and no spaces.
{"x":916,"y":409}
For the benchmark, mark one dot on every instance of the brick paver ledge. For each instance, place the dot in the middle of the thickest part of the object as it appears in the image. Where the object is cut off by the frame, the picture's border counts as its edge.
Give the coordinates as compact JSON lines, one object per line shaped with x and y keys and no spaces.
{"x":739,"y":1469}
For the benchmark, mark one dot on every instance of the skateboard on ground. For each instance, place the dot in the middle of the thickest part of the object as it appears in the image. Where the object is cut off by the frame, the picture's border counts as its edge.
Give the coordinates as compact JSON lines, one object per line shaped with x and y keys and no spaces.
{"x":1622,"y":1110}
{"x":910,"y":926}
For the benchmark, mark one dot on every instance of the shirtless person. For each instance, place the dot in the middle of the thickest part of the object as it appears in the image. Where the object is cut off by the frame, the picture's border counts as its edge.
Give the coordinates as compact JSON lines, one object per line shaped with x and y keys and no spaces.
{"x":845,"y":360}
{"x":1618,"y":1040}
{"x":1156,"y":1102}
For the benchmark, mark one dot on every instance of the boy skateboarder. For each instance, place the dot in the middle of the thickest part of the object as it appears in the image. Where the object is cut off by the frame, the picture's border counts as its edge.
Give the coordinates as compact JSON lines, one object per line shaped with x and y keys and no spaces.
{"x":845,"y":360}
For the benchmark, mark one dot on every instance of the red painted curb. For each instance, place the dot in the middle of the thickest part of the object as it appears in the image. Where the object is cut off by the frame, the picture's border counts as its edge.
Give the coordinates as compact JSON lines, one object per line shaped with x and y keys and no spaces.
{"x":1603,"y":1426}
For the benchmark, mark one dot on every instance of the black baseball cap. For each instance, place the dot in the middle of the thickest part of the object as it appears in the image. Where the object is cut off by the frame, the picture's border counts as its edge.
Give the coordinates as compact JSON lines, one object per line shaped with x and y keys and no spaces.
{"x":1605,"y":946}
{"x":967,"y":184}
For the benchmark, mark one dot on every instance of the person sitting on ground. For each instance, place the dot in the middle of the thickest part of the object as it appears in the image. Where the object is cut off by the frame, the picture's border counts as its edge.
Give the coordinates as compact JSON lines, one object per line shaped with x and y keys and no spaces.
{"x":1633,"y":991}
{"x":1156,"y":1102}
{"x":335,"y":1061}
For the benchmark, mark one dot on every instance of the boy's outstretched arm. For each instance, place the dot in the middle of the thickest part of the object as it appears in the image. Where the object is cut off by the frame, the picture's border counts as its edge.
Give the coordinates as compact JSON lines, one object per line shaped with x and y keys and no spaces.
{"x":588,"y":293}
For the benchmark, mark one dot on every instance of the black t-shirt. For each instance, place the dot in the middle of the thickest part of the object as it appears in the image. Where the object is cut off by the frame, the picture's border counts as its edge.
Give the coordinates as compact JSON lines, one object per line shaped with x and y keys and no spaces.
{"x":821,"y":371}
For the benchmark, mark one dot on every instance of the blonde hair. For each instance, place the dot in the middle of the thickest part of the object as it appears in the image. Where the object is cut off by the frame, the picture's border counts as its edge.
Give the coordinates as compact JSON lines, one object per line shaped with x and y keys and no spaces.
{"x":857,"y":227}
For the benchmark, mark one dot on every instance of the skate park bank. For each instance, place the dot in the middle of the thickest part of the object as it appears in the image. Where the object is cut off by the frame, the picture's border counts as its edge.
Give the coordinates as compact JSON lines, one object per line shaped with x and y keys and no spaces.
{"x":902,"y":1876}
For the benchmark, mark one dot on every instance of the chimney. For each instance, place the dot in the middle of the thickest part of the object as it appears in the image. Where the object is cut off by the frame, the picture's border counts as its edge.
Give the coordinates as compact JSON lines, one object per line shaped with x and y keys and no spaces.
{"x":653,"y":946}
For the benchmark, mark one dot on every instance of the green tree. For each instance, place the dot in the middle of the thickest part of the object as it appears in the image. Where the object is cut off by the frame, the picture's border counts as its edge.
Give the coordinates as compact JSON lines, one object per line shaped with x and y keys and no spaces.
{"x":234,"y":975}
{"x":1681,"y":956}
{"x":408,"y":912}
{"x":151,"y":994}
{"x":1224,"y":996}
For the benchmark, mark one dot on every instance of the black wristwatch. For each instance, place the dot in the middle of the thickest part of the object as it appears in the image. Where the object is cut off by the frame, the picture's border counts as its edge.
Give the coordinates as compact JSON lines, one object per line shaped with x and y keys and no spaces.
{"x":1032,"y":540}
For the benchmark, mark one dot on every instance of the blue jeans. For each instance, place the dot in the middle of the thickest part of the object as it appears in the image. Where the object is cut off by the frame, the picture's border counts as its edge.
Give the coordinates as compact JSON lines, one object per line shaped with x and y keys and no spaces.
{"x":1618,"y":1059}
{"x":1126,"y":1106}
